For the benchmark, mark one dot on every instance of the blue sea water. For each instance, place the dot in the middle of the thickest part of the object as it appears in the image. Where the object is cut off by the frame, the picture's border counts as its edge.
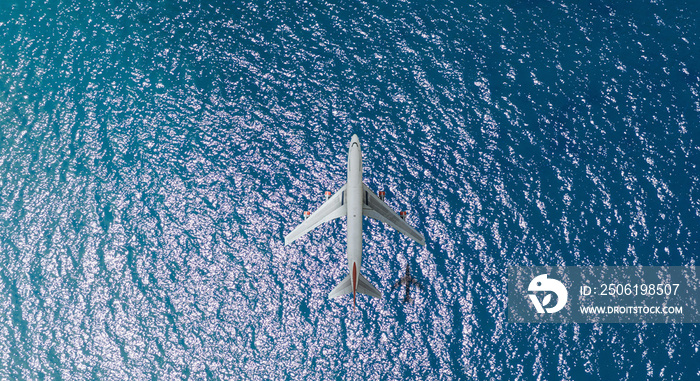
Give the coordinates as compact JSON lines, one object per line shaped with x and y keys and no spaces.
{"x":153,"y":154}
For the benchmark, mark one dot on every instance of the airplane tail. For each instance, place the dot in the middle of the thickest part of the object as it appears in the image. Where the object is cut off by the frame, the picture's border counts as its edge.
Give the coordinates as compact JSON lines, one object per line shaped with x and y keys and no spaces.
{"x":363,"y":287}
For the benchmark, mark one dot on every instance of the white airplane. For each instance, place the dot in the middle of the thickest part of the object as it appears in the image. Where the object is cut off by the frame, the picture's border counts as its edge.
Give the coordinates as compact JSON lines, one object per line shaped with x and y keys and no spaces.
{"x":354,"y":200}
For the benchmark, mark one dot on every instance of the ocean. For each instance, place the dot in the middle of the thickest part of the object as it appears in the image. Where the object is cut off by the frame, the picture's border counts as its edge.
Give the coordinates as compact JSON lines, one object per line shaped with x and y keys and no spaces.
{"x":153,"y":155}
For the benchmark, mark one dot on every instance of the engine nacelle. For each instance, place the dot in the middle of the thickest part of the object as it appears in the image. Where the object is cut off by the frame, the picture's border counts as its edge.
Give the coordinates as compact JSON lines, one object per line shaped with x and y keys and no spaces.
{"x":328,"y":194}
{"x":403,"y":214}
{"x":307,"y":214}
{"x":382,"y":195}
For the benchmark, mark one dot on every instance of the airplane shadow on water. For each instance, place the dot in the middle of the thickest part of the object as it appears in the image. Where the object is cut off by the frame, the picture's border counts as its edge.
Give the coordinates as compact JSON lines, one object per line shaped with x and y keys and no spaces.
{"x":407,"y":280}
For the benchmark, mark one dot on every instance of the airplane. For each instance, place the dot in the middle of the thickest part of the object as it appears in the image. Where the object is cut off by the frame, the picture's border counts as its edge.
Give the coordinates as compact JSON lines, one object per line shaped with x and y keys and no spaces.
{"x":354,"y":200}
{"x":407,"y":280}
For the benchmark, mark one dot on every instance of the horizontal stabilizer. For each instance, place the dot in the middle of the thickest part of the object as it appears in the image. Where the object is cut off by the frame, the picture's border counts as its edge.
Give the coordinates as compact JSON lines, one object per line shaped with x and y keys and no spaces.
{"x":364,"y":287}
{"x":343,"y":288}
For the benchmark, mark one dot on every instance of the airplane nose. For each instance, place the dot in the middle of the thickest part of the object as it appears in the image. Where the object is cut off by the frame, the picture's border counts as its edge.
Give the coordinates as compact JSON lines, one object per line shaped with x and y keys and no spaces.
{"x":354,"y":139}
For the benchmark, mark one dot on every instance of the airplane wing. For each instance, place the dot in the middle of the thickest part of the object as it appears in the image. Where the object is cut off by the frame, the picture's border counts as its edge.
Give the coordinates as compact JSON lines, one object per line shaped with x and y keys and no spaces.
{"x":333,"y":208}
{"x":374,"y":207}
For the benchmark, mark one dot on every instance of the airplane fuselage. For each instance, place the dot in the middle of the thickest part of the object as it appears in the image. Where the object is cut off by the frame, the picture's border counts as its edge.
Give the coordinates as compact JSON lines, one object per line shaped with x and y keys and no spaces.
{"x":354,"y":216}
